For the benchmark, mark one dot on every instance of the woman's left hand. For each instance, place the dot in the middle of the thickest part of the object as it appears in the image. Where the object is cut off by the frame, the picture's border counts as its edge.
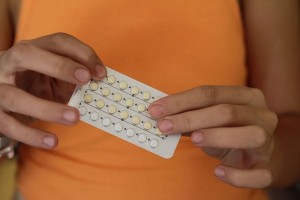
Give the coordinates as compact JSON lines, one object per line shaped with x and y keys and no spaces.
{"x":231,"y":123}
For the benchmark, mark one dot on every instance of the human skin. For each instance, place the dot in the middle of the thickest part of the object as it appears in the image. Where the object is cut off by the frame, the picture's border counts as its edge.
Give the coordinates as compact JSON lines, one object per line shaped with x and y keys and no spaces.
{"x":254,"y":130}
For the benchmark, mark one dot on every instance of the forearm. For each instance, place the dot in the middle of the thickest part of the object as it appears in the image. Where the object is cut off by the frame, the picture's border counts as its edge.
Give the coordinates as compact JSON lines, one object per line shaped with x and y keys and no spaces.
{"x":6,"y":24}
{"x":285,"y":161}
{"x":272,"y":35}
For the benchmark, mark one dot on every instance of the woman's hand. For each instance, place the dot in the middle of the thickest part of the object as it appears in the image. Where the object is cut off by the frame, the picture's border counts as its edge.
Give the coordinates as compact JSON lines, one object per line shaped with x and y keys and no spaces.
{"x":36,"y":77}
{"x":230,"y":123}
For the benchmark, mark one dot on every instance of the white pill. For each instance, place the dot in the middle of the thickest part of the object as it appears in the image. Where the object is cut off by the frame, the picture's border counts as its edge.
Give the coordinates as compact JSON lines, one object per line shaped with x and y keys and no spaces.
{"x":123,"y":85}
{"x":100,"y":104}
{"x":118,"y":97}
{"x":146,"y":95}
{"x":147,"y":125}
{"x":94,"y":86}
{"x":88,"y":98}
{"x":118,"y":127}
{"x":82,"y":110}
{"x":94,"y":116}
{"x":111,"y":79}
{"x":130,"y":132}
{"x":141,"y":107}
{"x":105,"y":91}
{"x":106,"y":122}
{"x":135,"y":90}
{"x":129,"y":102}
{"x":142,"y":137}
{"x":158,"y":132}
{"x":154,"y":143}
{"x":136,"y":120}
{"x":112,"y":109}
{"x":124,"y":114}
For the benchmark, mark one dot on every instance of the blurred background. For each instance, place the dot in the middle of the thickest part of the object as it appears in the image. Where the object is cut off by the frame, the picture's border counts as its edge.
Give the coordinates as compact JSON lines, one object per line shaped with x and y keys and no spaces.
{"x":7,"y":179}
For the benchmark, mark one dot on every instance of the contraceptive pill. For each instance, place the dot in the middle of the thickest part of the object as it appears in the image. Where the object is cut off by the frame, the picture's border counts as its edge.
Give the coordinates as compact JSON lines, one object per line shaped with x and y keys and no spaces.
{"x":118,"y":105}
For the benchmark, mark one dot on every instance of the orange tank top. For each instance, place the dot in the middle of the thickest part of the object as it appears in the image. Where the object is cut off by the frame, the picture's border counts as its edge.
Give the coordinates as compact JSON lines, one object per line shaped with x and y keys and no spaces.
{"x":171,"y":45}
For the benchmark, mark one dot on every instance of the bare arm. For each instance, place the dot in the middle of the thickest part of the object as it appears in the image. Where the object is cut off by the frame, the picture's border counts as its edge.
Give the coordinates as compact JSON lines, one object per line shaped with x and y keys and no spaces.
{"x":6,"y":33}
{"x":272,"y":35}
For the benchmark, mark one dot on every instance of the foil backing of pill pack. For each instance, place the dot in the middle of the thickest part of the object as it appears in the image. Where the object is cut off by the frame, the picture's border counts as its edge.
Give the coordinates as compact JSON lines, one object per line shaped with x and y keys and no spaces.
{"x":118,"y":105}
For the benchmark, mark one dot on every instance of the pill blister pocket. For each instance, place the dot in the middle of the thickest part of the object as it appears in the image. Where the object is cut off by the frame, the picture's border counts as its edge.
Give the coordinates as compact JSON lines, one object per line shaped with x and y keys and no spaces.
{"x":118,"y":105}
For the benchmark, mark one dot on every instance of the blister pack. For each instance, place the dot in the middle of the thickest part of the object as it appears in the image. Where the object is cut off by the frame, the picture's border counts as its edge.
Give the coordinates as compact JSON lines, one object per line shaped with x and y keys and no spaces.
{"x":118,"y":105}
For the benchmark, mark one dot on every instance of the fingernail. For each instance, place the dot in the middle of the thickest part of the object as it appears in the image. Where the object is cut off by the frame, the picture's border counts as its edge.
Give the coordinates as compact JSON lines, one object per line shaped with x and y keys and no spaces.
{"x":100,"y":71}
{"x":219,"y":172}
{"x":197,"y":138}
{"x":49,"y":141}
{"x":82,"y":75}
{"x":156,"y":110}
{"x":166,"y":125}
{"x":70,"y":116}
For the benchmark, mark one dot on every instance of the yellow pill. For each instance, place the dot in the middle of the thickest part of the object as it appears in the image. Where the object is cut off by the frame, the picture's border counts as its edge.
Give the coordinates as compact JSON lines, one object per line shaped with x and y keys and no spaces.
{"x":135,"y":90}
{"x":158,"y":132}
{"x":146,"y":95}
{"x":136,"y":120}
{"x":100,"y":103}
{"x":118,"y":97}
{"x":88,"y":98}
{"x":112,"y":109}
{"x":123,"y":85}
{"x":94,"y":86}
{"x":124,"y":114}
{"x":147,"y":125}
{"x":129,"y":102}
{"x":141,"y":107}
{"x":111,"y":79}
{"x":105,"y":92}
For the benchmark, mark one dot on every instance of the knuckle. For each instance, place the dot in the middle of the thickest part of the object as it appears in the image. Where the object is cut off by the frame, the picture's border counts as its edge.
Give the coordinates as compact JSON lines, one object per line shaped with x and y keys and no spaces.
{"x":18,"y":51}
{"x":267,"y":178}
{"x":11,"y":128}
{"x":273,"y":119}
{"x":89,"y":55}
{"x":177,"y":103}
{"x":9,"y":98}
{"x":211,"y":93}
{"x":187,"y":122}
{"x":261,"y":136}
{"x":228,"y":112}
{"x":59,"y":64}
{"x":28,"y":137}
{"x":12,"y":131}
{"x":234,"y":179}
{"x":258,"y":95}
{"x":60,"y":37}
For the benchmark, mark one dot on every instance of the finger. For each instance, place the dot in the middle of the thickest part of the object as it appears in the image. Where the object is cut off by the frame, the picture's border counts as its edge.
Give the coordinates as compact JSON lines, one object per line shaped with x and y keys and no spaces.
{"x":205,"y":96}
{"x":18,"y":101}
{"x":245,"y":137}
{"x":19,"y":132}
{"x":245,"y":178}
{"x":214,"y":116}
{"x":69,"y":46}
{"x":25,"y":56}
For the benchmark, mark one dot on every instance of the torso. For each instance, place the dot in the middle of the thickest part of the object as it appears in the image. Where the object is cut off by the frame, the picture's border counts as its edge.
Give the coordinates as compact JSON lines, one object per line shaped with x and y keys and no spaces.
{"x":170,"y":45}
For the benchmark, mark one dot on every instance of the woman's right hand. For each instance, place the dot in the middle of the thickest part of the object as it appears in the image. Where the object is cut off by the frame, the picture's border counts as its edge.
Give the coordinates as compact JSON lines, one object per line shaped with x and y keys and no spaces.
{"x":36,"y":78}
